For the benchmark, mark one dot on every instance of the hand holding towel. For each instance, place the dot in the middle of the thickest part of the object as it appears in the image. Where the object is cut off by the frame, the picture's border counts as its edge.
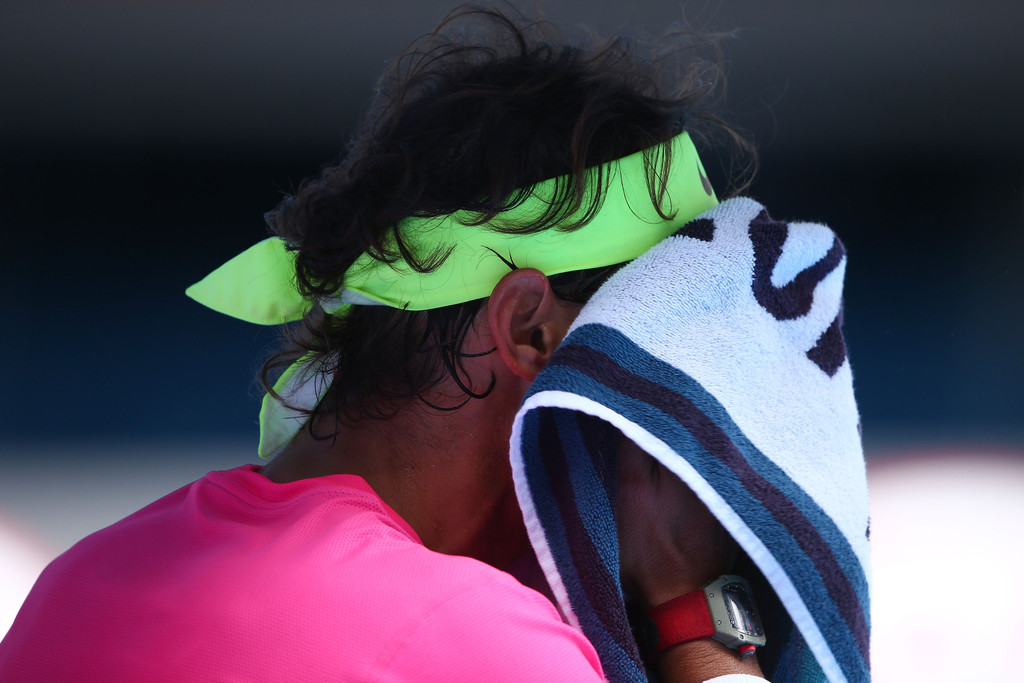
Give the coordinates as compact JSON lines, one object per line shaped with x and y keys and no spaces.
{"x":718,"y":352}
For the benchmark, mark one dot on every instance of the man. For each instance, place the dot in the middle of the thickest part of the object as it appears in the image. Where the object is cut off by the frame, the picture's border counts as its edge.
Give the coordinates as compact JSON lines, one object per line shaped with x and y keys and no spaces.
{"x":378,"y":541}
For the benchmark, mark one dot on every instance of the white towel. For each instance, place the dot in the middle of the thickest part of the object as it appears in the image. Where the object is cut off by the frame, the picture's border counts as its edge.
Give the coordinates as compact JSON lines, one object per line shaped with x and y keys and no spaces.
{"x":720,"y":353}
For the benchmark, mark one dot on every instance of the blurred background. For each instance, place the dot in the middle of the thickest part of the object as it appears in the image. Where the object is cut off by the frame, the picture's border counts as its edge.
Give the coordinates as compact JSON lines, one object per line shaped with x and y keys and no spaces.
{"x":141,"y":142}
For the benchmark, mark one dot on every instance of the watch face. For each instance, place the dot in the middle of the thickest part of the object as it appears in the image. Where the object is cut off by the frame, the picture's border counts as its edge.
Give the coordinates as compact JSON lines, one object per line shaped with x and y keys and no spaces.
{"x":741,"y":609}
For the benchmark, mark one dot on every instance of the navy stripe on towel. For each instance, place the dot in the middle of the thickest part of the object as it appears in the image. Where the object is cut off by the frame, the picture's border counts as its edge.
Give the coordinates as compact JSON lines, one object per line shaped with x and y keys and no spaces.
{"x":603,"y":365}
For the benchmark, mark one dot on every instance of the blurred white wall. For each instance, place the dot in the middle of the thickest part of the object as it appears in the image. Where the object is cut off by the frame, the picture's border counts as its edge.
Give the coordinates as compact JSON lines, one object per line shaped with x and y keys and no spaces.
{"x":948,"y":561}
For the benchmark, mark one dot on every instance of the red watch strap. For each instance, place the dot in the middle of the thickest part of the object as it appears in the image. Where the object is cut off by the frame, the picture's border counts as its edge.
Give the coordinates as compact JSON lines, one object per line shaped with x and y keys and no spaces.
{"x":682,"y":619}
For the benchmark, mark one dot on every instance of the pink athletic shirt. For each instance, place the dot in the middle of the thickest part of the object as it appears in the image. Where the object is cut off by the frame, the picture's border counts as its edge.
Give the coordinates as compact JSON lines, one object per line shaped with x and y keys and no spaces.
{"x":237,"y":578}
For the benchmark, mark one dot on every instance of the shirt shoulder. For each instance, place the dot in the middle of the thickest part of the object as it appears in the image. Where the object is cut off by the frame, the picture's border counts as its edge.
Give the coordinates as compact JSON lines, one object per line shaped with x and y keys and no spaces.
{"x":319,"y":580}
{"x":492,"y":628}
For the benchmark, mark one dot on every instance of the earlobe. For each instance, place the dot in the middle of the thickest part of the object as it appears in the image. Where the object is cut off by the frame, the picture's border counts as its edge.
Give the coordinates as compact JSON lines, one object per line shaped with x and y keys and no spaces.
{"x":527,"y":321}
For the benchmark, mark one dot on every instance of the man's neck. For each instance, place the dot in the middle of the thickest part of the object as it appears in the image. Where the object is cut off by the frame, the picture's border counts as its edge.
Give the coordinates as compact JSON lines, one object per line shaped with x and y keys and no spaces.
{"x":445,"y":473}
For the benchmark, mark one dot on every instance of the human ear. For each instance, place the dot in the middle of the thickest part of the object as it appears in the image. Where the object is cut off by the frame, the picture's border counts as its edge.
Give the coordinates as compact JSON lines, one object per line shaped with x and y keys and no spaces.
{"x":527,"y":321}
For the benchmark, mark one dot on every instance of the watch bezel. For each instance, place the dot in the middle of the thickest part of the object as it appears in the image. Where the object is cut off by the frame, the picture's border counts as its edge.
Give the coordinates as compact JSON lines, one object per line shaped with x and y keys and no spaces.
{"x":718,"y":598}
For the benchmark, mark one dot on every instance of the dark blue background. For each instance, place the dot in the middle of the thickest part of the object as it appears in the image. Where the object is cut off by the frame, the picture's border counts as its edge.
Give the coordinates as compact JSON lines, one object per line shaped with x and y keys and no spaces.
{"x":141,"y":143}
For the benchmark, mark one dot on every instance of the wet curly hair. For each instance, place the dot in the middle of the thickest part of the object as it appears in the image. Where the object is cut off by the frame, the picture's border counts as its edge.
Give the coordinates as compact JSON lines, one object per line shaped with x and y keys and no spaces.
{"x":468,"y":117}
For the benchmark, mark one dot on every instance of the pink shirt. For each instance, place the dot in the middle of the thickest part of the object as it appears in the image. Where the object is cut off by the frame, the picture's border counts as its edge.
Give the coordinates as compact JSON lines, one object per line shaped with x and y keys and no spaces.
{"x":236,"y":578}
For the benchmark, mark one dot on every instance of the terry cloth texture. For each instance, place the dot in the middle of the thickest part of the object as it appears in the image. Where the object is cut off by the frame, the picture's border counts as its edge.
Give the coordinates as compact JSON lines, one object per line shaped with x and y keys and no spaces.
{"x":719,"y":352}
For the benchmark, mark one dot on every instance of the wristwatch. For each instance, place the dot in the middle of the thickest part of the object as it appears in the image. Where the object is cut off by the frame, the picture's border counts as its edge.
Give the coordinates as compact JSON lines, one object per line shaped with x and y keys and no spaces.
{"x":723,"y":609}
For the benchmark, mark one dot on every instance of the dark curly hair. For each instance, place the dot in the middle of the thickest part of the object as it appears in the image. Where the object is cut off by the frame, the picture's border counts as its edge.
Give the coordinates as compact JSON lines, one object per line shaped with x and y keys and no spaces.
{"x":468,"y":117}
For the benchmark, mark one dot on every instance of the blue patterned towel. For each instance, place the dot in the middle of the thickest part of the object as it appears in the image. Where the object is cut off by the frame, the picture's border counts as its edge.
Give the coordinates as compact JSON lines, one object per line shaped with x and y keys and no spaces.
{"x":719,"y":352}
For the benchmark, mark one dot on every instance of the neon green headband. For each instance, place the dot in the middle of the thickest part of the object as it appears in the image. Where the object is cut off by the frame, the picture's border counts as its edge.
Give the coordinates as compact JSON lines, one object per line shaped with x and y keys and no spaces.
{"x":258,"y":285}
